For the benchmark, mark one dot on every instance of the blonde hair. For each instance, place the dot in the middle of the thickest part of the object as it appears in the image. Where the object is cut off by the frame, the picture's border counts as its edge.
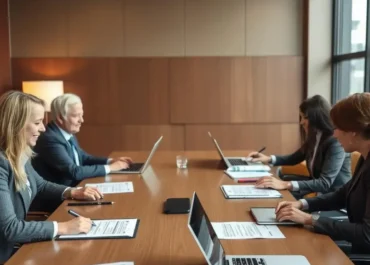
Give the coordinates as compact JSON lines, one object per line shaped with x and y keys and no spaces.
{"x":15,"y":112}
{"x":60,"y":105}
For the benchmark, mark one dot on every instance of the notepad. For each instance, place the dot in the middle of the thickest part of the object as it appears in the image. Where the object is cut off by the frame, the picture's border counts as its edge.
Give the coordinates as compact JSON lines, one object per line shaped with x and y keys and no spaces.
{"x":248,"y":192}
{"x":113,"y":187}
{"x":108,"y":229}
{"x":253,"y":168}
{"x":246,"y":174}
{"x":245,"y":230}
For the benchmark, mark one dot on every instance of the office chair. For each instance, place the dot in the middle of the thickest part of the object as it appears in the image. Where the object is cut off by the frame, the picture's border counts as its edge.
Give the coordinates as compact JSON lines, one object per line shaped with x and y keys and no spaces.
{"x":357,"y":259}
{"x":37,"y":216}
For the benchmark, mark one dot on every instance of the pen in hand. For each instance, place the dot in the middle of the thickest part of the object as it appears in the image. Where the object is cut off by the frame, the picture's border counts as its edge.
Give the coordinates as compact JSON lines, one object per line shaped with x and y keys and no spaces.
{"x":73,"y":213}
{"x":255,"y":155}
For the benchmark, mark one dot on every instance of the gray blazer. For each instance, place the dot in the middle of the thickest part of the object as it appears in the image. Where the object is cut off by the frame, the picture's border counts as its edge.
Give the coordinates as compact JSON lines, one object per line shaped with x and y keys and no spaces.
{"x":355,"y":197}
{"x":331,"y":167}
{"x":56,"y":163}
{"x":14,"y":206}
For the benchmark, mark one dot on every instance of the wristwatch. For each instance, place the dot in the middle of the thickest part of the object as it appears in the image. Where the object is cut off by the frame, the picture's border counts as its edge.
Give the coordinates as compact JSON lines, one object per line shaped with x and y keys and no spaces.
{"x":315,"y":217}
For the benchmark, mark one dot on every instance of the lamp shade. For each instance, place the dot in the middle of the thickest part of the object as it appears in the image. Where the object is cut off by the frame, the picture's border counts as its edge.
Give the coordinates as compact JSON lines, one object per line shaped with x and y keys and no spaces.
{"x":46,"y":90}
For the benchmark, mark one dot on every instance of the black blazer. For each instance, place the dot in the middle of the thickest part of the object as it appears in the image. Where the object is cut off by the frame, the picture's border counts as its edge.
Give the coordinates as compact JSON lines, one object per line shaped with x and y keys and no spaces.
{"x":331,"y":167}
{"x":54,"y":160}
{"x":355,"y":197}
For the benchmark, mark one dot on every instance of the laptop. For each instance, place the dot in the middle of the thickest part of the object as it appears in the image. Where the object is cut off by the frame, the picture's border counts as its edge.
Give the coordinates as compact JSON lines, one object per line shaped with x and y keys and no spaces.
{"x":267,"y":216}
{"x":210,"y":245}
{"x":231,"y":161}
{"x":139,"y":168}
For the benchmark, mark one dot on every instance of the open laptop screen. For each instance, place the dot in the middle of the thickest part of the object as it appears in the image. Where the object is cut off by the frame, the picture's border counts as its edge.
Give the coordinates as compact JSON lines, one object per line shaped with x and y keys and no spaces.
{"x":205,"y":235}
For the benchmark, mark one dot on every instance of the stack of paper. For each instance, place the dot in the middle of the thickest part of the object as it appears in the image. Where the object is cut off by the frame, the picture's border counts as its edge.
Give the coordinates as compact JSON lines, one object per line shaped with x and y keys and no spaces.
{"x":248,"y":191}
{"x":253,"y":168}
{"x":247,"y":174}
{"x":113,"y":187}
{"x":245,"y":230}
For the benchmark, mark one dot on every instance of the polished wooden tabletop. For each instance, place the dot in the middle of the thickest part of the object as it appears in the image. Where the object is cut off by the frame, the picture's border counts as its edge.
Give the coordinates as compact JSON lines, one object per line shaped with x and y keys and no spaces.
{"x":165,"y":239}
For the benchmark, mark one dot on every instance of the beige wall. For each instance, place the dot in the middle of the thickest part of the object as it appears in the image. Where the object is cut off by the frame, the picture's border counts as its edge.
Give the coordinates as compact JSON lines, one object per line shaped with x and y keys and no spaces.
{"x":320,"y":46}
{"x":168,"y":28}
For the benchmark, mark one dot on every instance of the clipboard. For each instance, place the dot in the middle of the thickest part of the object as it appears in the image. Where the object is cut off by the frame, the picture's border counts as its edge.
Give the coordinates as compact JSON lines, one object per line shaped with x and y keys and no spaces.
{"x":103,"y":236}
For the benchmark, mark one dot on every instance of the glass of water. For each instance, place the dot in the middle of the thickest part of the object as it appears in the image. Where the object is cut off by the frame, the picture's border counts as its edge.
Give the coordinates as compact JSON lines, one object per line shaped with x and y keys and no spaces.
{"x":181,"y":161}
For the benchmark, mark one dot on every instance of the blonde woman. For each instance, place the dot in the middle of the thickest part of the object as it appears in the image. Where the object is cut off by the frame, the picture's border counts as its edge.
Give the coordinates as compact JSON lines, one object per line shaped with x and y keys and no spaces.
{"x":21,"y":117}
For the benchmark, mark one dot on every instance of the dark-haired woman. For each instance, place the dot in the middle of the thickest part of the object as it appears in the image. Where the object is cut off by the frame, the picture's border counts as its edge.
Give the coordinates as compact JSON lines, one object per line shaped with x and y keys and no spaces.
{"x":328,"y":164}
{"x":351,"y":117}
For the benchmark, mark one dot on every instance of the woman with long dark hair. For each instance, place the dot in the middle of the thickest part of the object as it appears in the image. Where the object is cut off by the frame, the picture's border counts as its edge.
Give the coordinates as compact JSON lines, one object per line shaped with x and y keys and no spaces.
{"x":327,"y":162}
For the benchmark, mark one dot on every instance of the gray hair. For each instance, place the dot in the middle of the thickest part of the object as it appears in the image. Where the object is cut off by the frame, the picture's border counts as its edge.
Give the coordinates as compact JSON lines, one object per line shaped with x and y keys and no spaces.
{"x":60,"y":105}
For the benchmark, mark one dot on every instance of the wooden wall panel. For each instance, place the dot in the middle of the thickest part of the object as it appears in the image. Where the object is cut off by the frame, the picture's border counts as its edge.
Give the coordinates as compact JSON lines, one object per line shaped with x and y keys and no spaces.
{"x":199,"y":90}
{"x":140,"y":90}
{"x":225,"y":90}
{"x":130,"y":102}
{"x":39,"y":28}
{"x":142,"y":137}
{"x":95,"y":28}
{"x":272,"y":27}
{"x":215,"y":28}
{"x":277,"y":138}
{"x":100,"y":140}
{"x":5,"y":79}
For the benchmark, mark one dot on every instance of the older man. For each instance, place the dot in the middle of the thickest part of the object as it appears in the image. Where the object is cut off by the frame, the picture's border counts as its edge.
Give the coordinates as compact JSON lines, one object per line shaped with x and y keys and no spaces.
{"x":59,"y":158}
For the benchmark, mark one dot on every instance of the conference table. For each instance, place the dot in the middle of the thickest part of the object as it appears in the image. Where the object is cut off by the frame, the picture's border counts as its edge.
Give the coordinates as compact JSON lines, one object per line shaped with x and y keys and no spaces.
{"x":165,"y":239}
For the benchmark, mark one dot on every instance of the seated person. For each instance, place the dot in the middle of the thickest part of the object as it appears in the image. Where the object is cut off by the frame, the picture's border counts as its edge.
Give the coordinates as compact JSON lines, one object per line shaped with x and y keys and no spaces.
{"x":59,"y":158}
{"x":328,"y":164}
{"x":21,"y":117}
{"x":351,"y":118}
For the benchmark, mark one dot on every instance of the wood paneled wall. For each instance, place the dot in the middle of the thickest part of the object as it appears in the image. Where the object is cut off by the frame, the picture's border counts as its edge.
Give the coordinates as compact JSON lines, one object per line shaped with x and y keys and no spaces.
{"x":5,"y":79}
{"x":246,"y":102}
{"x":176,"y":68}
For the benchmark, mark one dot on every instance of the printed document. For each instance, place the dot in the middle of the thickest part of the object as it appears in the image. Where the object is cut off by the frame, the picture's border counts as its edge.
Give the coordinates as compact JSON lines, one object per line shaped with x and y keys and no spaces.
{"x":113,"y":187}
{"x":245,"y":191}
{"x":247,"y":174}
{"x":115,"y":228}
{"x":246,"y":230}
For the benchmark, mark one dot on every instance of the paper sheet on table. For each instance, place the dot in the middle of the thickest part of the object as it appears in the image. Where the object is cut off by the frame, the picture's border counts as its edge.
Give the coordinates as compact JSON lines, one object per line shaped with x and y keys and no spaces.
{"x":253,"y":168}
{"x":245,"y":191}
{"x":246,"y":174}
{"x":113,"y":187}
{"x":114,"y":228}
{"x":245,"y":230}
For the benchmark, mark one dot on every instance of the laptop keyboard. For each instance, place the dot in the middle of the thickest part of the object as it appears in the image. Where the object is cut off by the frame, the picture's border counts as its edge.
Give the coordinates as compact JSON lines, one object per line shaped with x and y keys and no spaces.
{"x":237,"y":162}
{"x":134,"y":167}
{"x":248,"y":261}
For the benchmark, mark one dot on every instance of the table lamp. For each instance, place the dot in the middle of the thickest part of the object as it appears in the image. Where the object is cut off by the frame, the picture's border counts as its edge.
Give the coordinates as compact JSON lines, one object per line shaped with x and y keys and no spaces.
{"x":45,"y":90}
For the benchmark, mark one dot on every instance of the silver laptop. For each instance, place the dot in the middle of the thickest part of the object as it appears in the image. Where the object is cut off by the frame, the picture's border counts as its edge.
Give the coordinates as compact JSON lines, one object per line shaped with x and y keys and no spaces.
{"x":210,"y":246}
{"x":138,"y":168}
{"x":231,"y":161}
{"x":267,"y":216}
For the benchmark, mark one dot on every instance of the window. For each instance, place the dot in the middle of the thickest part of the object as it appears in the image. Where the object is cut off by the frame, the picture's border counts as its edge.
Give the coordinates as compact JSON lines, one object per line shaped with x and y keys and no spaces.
{"x":350,"y":48}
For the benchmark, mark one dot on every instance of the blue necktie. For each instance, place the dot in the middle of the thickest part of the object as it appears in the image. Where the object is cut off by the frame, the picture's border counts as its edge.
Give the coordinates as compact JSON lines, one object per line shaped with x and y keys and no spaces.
{"x":73,"y":144}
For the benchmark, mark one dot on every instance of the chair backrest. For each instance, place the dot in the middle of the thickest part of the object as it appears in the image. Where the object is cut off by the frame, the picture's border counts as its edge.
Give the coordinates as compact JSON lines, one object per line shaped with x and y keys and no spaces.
{"x":354,"y":159}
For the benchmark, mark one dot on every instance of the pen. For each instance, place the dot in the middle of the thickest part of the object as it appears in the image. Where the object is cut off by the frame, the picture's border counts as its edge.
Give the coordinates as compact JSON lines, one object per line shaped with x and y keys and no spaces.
{"x":247,"y":180}
{"x":262,"y":149}
{"x":88,"y":203}
{"x":77,"y":215}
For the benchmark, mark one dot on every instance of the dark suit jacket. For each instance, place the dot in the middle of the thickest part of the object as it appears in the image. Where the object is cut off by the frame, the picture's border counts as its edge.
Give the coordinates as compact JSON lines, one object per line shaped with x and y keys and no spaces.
{"x":54,"y":160}
{"x":331,"y":167}
{"x":14,"y":206}
{"x":355,"y":197}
